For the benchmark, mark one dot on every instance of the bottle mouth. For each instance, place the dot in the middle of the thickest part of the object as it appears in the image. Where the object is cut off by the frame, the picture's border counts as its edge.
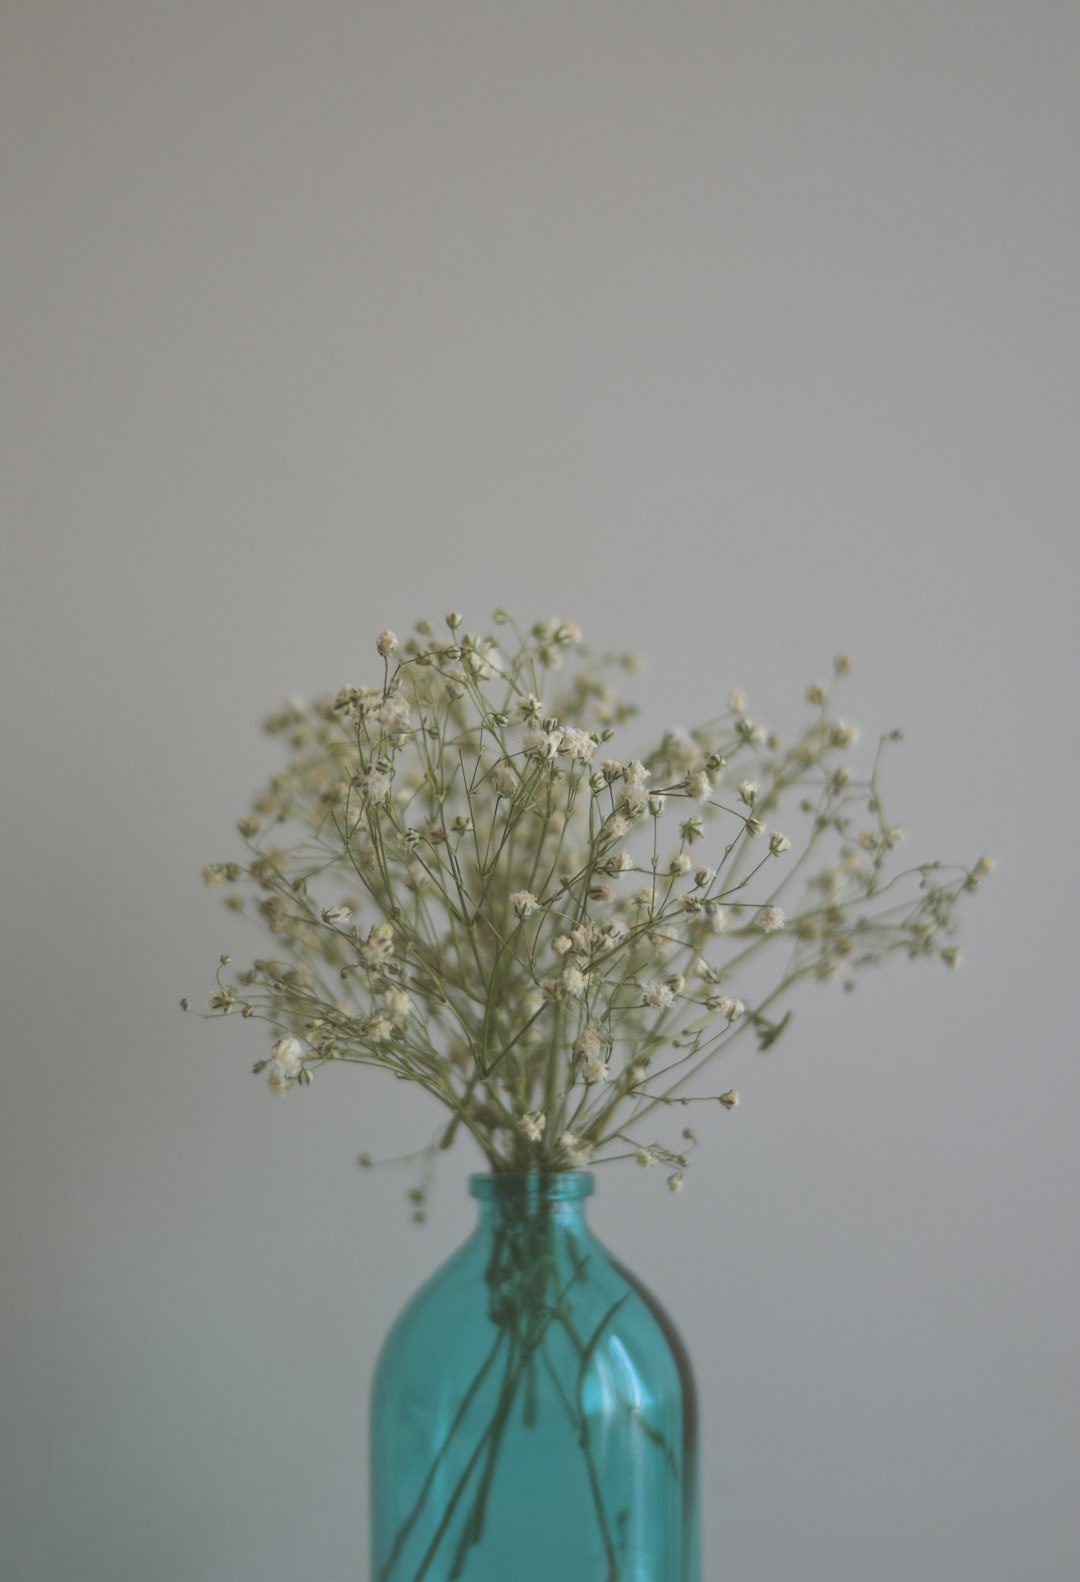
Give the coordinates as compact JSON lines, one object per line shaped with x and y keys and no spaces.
{"x":558,"y":1186}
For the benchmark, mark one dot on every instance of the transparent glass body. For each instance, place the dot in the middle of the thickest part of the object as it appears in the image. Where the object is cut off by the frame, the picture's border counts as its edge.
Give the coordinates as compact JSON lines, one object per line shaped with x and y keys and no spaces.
{"x":533,"y":1413}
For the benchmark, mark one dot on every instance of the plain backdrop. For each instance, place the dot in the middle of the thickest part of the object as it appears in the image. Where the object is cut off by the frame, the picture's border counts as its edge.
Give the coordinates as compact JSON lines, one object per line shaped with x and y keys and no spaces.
{"x":738,"y":333}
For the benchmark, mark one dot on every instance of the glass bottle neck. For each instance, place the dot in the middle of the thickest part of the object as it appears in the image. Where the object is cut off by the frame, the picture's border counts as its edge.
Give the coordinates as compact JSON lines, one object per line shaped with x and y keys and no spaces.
{"x":559,"y":1197}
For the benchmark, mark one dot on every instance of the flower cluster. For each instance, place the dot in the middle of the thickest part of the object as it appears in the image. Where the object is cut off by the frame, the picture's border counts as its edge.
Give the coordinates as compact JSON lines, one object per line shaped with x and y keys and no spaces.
{"x":466,"y":885}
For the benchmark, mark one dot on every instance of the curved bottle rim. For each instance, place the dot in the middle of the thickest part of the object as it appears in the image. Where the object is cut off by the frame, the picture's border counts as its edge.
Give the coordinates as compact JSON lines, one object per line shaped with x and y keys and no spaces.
{"x":559,"y":1186}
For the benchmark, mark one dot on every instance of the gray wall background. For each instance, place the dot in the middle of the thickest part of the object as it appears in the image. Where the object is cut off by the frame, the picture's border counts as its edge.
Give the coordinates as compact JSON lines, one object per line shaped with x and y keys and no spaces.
{"x":737,"y":332}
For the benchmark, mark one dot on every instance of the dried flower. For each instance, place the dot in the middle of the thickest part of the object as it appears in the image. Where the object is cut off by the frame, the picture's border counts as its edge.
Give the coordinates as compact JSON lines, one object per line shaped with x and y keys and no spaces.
{"x":524,"y":903}
{"x":657,"y":994}
{"x":414,"y":800}
{"x":533,"y":1125}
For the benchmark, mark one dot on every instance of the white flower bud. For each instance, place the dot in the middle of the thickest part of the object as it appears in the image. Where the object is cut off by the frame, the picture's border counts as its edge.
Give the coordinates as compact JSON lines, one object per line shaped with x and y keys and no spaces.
{"x":658,"y":994}
{"x":524,"y":903}
{"x":533,"y":1125}
{"x":386,"y":642}
{"x":698,"y":785}
{"x":288,"y":1053}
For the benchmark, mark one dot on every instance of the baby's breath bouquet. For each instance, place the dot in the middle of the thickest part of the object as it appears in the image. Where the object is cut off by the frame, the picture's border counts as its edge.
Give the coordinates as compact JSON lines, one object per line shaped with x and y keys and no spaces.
{"x":469,"y":882}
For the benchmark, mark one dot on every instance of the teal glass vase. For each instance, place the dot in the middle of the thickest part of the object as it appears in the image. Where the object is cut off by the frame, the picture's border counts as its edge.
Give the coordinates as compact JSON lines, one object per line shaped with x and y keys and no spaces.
{"x":533,"y":1414}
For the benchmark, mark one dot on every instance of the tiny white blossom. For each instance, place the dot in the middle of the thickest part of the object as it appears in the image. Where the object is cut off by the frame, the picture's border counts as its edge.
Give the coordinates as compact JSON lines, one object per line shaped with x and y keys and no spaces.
{"x":731,"y":1008}
{"x":533,"y":1125}
{"x":778,"y":843}
{"x":698,"y":785}
{"x":680,"y":863}
{"x":676,"y":1182}
{"x":575,"y":982}
{"x":645,"y":1157}
{"x":392,"y":713}
{"x":770,"y":918}
{"x":398,"y":1006}
{"x":952,"y":956}
{"x":703,"y":877}
{"x":524,"y":903}
{"x":540,"y":744}
{"x":748,"y":790}
{"x":374,"y":785}
{"x":561,"y":944}
{"x":577,"y":744}
{"x":815,"y":692}
{"x":577,"y":1151}
{"x":986,"y":865}
{"x":737,"y":700}
{"x":595,"y":1070}
{"x":504,"y":778}
{"x":635,"y":773}
{"x":386,"y":642}
{"x":658,"y":994}
{"x":337,"y":914}
{"x":729,"y":1099}
{"x":717,"y":917}
{"x":288,"y":1056}
{"x":528,"y":708}
{"x":614,"y":827}
{"x":635,"y":798}
{"x":588,"y":1044}
{"x":754,"y":826}
{"x":843,"y":734}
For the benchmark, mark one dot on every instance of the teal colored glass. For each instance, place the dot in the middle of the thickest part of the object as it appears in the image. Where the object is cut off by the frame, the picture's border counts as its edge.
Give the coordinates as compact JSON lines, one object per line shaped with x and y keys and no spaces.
{"x":533,"y":1413}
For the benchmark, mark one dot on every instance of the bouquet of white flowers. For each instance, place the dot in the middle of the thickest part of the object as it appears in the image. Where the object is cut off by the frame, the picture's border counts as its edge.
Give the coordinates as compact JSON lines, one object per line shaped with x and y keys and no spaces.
{"x":469,"y":885}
